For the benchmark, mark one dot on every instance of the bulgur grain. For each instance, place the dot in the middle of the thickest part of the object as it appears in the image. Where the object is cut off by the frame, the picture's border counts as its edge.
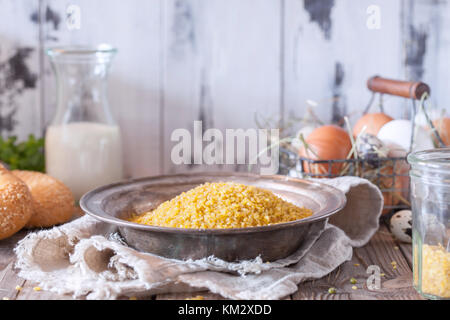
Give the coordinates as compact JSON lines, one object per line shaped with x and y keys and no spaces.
{"x":196,"y":298}
{"x":436,"y":270}
{"x":223,"y":205}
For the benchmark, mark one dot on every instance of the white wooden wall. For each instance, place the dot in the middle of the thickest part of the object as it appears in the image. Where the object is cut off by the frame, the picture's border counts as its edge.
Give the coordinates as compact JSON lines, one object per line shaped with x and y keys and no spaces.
{"x":221,"y":61}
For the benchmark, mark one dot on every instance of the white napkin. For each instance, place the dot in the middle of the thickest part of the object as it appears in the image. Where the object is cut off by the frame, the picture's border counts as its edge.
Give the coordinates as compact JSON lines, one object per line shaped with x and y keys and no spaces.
{"x":86,"y":258}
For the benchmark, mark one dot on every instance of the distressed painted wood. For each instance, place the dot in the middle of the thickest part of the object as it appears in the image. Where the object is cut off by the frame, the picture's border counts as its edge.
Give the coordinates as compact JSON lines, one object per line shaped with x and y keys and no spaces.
{"x":426,"y":46}
{"x":330,"y":53}
{"x":221,"y":66}
{"x":20,"y":113}
{"x":382,"y":250}
{"x":222,"y":62}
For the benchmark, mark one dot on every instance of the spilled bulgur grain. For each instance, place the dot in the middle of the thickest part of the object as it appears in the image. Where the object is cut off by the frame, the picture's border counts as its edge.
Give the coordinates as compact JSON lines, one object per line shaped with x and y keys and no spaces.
{"x":223,"y":205}
{"x":196,"y":298}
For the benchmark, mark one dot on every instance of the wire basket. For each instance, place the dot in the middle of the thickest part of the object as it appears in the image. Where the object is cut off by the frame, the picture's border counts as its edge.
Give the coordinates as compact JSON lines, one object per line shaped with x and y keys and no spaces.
{"x":390,"y":174}
{"x":383,"y":172}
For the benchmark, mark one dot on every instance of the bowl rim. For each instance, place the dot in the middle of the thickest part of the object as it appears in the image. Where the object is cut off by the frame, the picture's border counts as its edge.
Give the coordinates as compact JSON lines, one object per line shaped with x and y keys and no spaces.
{"x":87,"y":206}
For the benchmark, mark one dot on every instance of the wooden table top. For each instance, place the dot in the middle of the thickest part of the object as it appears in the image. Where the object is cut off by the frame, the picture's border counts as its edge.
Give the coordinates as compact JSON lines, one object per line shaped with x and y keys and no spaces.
{"x":393,"y":258}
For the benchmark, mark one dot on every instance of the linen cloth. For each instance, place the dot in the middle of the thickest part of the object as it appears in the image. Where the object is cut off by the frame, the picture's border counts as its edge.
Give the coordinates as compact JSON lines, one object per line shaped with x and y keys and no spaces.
{"x":87,"y":258}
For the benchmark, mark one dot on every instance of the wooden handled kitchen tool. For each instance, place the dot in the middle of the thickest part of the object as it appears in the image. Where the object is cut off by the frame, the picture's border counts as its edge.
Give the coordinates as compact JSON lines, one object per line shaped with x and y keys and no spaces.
{"x":406,"y":89}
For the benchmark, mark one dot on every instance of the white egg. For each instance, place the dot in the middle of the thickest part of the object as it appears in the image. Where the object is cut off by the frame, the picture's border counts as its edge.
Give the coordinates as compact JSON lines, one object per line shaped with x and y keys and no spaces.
{"x":399,"y":132}
{"x":433,"y":114}
{"x":305,"y":132}
{"x":395,"y":151}
{"x":401,"y":225}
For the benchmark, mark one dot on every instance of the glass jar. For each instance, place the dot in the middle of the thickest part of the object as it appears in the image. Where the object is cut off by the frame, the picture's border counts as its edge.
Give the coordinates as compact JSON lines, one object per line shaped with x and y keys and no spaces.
{"x":430,"y":196}
{"x":83,"y":142}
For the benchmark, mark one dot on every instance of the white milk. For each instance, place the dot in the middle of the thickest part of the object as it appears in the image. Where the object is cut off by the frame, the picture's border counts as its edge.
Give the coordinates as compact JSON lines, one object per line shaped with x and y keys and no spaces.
{"x":84,"y":155}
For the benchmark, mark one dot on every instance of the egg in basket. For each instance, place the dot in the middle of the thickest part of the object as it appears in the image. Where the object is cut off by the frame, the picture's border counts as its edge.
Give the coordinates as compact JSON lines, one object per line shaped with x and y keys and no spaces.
{"x":375,"y":147}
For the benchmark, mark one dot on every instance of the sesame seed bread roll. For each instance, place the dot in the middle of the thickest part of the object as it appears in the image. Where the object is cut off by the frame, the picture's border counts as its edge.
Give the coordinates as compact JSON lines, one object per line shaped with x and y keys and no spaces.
{"x":53,"y":202}
{"x":16,"y":204}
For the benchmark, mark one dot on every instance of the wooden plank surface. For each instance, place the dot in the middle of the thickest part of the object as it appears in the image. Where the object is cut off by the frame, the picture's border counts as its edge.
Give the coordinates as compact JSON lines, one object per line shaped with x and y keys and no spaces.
{"x":201,"y":295}
{"x":382,"y":251}
{"x":8,"y":277}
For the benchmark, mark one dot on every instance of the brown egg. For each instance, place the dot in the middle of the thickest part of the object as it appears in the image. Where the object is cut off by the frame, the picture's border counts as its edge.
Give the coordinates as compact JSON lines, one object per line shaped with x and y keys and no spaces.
{"x":326,"y":143}
{"x":443,"y":127}
{"x":53,"y":202}
{"x":373,"y":123}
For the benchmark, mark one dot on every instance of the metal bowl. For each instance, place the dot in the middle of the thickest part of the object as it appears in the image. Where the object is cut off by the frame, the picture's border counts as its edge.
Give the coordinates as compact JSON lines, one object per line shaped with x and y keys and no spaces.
{"x":116,"y":202}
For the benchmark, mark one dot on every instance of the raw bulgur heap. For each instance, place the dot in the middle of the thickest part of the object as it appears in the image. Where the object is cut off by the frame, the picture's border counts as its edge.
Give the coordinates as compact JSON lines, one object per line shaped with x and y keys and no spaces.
{"x":222,"y":205}
{"x":436,"y":270}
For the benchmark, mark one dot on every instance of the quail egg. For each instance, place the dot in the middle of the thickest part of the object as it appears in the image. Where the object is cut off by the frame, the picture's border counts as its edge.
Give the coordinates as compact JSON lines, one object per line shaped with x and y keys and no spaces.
{"x":370,"y":148}
{"x":401,"y":225}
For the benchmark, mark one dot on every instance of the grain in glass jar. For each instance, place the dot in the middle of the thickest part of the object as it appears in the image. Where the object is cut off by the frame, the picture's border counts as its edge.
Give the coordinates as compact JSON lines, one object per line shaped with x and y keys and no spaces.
{"x":430,"y":201}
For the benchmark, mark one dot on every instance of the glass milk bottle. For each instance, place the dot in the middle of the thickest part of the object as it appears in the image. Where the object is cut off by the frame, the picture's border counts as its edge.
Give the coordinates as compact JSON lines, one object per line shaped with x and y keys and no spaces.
{"x":83,"y":143}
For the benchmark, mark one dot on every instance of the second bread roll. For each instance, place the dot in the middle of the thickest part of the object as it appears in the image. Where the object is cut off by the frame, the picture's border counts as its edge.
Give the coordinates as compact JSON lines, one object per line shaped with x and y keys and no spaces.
{"x":53,"y":202}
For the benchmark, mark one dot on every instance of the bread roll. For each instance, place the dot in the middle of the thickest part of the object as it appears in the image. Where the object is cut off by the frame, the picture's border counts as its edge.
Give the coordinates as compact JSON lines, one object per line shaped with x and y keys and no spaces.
{"x":16,"y":204}
{"x":53,"y":202}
